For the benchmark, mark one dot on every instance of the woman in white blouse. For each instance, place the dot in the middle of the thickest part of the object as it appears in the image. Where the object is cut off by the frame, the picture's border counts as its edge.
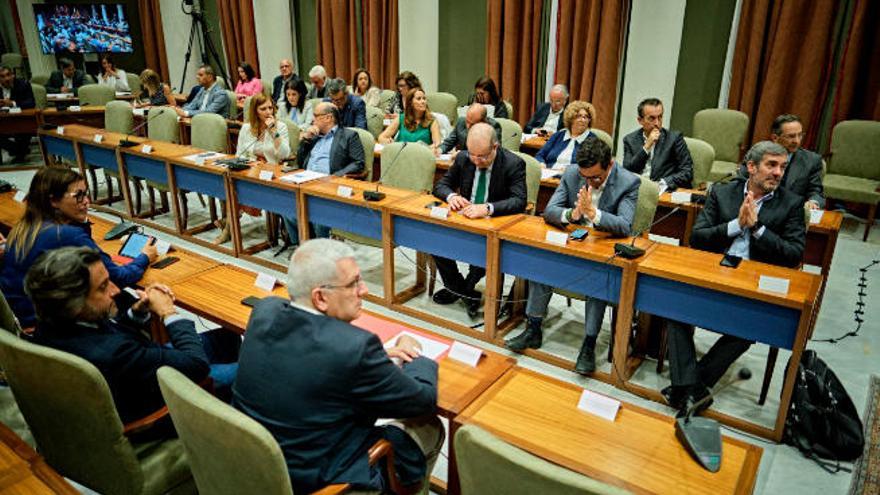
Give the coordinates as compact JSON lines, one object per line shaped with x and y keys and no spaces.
{"x":111,"y":76}
{"x":263,"y":137}
{"x":294,"y":105}
{"x":362,"y":85}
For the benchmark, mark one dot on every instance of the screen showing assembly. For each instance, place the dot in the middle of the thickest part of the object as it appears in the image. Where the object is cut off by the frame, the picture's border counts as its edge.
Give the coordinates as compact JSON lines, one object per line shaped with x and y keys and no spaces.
{"x":83,"y":28}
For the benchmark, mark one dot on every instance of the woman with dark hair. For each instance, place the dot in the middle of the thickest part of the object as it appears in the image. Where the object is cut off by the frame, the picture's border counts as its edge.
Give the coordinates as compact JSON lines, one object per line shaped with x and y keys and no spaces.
{"x":111,"y":76}
{"x":262,"y":137}
{"x":486,"y":92}
{"x":248,"y":82}
{"x":362,"y":85}
{"x":56,"y":215}
{"x":406,"y":82}
{"x":295,"y":106}
{"x":415,"y":124}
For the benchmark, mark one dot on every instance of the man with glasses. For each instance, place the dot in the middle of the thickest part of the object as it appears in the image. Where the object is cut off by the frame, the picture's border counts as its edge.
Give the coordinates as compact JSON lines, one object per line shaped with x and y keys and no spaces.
{"x":319,"y":384}
{"x":655,"y":152}
{"x":285,"y":67}
{"x":548,"y":117}
{"x":457,"y":139}
{"x":352,"y":109}
{"x":598,"y":194}
{"x":487,"y":180}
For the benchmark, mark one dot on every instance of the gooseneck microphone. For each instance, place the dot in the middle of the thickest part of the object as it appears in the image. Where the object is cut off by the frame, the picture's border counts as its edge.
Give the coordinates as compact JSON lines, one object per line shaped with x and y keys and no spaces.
{"x":127,"y":143}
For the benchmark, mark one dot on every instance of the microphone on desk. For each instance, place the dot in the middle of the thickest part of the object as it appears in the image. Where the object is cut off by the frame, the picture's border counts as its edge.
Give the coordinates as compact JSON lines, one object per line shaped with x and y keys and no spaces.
{"x":630,"y":251}
{"x":700,"y":436}
{"x":240,"y":162}
{"x":120,"y":229}
{"x":127,"y":143}
{"x":376,"y":195}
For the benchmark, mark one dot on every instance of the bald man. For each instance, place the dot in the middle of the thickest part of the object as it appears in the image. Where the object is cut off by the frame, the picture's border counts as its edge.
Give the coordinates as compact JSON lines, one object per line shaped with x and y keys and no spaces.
{"x":285,"y":69}
{"x":548,"y":116}
{"x":457,"y":139}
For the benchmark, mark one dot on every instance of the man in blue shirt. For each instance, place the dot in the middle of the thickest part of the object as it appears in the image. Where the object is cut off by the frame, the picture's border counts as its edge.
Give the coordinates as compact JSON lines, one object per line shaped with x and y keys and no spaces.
{"x":352,"y":109}
{"x":210,"y":98}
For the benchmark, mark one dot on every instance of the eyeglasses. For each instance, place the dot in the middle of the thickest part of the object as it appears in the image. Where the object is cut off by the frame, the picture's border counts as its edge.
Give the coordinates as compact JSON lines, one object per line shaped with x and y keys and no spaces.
{"x":356,"y":283}
{"x":582,"y":116}
{"x":79,"y":196}
{"x":484,"y":157}
{"x":593,"y":178}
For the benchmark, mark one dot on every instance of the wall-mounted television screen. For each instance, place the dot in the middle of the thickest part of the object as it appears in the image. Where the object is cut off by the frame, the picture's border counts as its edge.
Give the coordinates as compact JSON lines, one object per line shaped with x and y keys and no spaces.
{"x":83,"y":28}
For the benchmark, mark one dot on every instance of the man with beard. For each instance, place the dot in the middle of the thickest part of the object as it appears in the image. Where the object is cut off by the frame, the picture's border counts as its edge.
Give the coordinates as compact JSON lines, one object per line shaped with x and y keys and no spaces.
{"x":752,"y":218}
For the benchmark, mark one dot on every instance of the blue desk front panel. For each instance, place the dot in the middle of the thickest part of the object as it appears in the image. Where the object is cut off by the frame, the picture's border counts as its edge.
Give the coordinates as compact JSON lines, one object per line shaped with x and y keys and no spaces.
{"x":443,"y":241}
{"x":265,"y":197}
{"x":590,"y":278}
{"x":189,"y":179}
{"x":100,"y":157}
{"x":718,"y":311}
{"x":352,"y":218}
{"x":145,"y":168}
{"x":57,"y":146}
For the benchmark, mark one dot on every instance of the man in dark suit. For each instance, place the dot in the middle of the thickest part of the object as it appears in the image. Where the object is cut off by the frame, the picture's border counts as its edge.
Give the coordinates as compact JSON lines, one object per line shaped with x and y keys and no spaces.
{"x":599,"y":194}
{"x":751,"y":218}
{"x":655,"y":152}
{"x":803,"y":173}
{"x":352,"y":109}
{"x":16,"y":93}
{"x":66,"y":80}
{"x":318,"y":384}
{"x":486,"y":181}
{"x":76,"y":306}
{"x":548,"y":117}
{"x":285,"y":67}
{"x":457,"y":139}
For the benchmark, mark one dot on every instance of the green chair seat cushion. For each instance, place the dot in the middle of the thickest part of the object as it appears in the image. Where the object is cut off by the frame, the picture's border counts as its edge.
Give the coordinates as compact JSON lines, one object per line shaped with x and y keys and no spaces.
{"x":356,"y":238}
{"x":164,"y":464}
{"x":855,"y":189}
{"x":721,"y":169}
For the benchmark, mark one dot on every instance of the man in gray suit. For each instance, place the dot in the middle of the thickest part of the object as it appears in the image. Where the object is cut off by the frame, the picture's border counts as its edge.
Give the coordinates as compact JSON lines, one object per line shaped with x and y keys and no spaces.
{"x":597,"y":193}
{"x":655,"y":152}
{"x":211,"y":98}
{"x":457,"y":139}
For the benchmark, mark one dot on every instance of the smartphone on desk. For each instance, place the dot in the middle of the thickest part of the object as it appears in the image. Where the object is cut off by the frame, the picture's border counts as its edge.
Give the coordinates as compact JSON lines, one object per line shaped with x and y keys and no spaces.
{"x":579,"y":234}
{"x":433,"y":204}
{"x":731,"y":260}
{"x":168,"y":260}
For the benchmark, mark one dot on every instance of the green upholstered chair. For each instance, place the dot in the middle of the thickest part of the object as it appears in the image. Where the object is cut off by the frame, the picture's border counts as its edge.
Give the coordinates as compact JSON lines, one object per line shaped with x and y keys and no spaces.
{"x":854,"y":166}
{"x":488,"y":465}
{"x":162,"y":126}
{"x":222,"y":82}
{"x":445,"y":103}
{"x":385,"y":99}
{"x":14,"y":61}
{"x":604,"y":136}
{"x":244,"y":108}
{"x":369,"y":143}
{"x":703,"y":155}
{"x":375,"y":121}
{"x":90,"y":79}
{"x":134,"y":83}
{"x":509,"y":108}
{"x":118,"y":117}
{"x":646,"y":207}
{"x":232,"y":106}
{"x":95,"y":94}
{"x":40,"y":79}
{"x":292,"y":135}
{"x":208,"y":132}
{"x":725,"y":130}
{"x":533,"y":181}
{"x":315,"y":102}
{"x":68,"y":408}
{"x":40,"y":96}
{"x":511,"y":134}
{"x":8,"y":321}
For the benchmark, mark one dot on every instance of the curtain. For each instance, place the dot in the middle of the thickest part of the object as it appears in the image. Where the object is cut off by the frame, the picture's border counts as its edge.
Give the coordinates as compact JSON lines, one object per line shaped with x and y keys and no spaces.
{"x":337,"y":37}
{"x":154,"y":38}
{"x":857,"y":95}
{"x":381,"y":47}
{"x":513,"y":38}
{"x":239,"y":36}
{"x":590,"y":47}
{"x":782,"y":63}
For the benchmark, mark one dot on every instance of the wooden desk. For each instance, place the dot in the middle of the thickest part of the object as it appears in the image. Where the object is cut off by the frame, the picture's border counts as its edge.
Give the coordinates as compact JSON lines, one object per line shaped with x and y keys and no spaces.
{"x":690,"y":286}
{"x":91,"y":115}
{"x":208,"y":179}
{"x":23,"y":471}
{"x":533,"y":144}
{"x":638,"y":451}
{"x":11,"y":210}
{"x":24,"y":122}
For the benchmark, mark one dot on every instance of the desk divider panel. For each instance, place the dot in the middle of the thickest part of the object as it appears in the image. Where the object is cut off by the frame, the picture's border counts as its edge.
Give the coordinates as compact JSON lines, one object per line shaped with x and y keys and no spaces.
{"x":145,"y":168}
{"x":99,"y":157}
{"x":718,"y":311}
{"x":198,"y":181}
{"x":346,"y":216}
{"x":58,"y":146}
{"x":443,"y":241}
{"x":266,"y":197}
{"x":579,"y":275}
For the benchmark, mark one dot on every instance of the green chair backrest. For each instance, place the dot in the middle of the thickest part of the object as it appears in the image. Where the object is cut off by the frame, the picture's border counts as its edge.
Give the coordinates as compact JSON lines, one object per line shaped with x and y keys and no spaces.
{"x":604,"y":136}
{"x":724,"y":129}
{"x":222,"y":82}
{"x":533,"y":178}
{"x":95,"y":94}
{"x":509,"y":108}
{"x":292,"y":135}
{"x":8,"y":321}
{"x":702,"y":155}
{"x":649,"y":195}
{"x":855,"y":149}
{"x":118,"y":117}
{"x":511,"y":134}
{"x":375,"y":121}
{"x":229,"y":453}
{"x":368,"y":143}
{"x":134,"y":83}
{"x":408,"y":167}
{"x":40,"y":96}
{"x":209,"y":132}
{"x":68,"y":407}
{"x":315,"y":102}
{"x":385,"y":98}
{"x":90,"y":79}
{"x":445,"y":103}
{"x":231,"y":106}
{"x":163,"y":125}
{"x":12,"y":60}
{"x":487,"y":464}
{"x":40,"y":79}
{"x":244,"y":108}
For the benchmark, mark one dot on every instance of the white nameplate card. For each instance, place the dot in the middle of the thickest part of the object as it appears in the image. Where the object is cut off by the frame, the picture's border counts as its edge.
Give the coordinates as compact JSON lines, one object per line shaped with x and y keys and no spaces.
{"x":267,"y":175}
{"x":14,"y":109}
{"x":431,"y":348}
{"x":162,"y":247}
{"x":98,"y":138}
{"x":557,"y":238}
{"x":60,"y":130}
{"x":773,"y":284}
{"x":265,"y":281}
{"x":146,"y":149}
{"x":344,"y":192}
{"x":74,"y":108}
{"x":549,"y":173}
{"x":680,"y":197}
{"x":599,"y":405}
{"x":526,"y":136}
{"x":140,"y":112}
{"x":816,"y":216}
{"x":466,"y":354}
{"x":440,"y":212}
{"x":444,"y":157}
{"x":20,"y":195}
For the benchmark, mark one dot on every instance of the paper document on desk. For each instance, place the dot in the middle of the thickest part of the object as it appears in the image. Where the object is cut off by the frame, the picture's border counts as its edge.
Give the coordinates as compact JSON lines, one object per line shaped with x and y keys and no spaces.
{"x":444,"y":157}
{"x":431,"y":348}
{"x":140,"y":112}
{"x":549,"y":173}
{"x":300,"y":177}
{"x":526,"y":137}
{"x":123,"y":93}
{"x":816,"y":216}
{"x":59,"y":96}
{"x":203,"y":157}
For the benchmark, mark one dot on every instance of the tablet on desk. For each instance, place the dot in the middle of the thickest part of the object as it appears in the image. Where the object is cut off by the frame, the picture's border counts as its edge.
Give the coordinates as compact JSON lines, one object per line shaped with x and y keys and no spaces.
{"x":134,"y":245}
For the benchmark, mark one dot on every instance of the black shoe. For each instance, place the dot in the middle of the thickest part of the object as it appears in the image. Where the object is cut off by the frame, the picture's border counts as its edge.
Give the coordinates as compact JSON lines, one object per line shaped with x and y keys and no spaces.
{"x":695,"y":395}
{"x":473,"y":304}
{"x":531,"y":338}
{"x":586,"y":361}
{"x":444,"y":297}
{"x":674,"y":396}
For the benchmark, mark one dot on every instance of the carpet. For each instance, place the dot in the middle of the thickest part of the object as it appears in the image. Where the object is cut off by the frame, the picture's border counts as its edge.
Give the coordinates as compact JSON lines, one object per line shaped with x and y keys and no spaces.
{"x":866,"y":475}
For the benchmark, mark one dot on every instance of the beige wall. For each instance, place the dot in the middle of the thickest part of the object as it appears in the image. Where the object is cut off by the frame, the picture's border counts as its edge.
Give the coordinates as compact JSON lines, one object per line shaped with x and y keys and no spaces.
{"x":39,"y":63}
{"x":274,"y":36}
{"x":418,"y":32}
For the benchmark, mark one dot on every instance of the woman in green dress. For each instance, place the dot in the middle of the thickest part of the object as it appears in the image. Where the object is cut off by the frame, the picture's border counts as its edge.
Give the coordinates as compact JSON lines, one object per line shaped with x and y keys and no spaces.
{"x":415,"y":124}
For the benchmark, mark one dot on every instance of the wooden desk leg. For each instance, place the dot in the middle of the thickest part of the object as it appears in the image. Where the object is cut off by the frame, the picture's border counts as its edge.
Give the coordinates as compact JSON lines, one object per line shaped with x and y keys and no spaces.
{"x":620,"y":365}
{"x":493,"y":286}
{"x":387,"y":258}
{"x":233,"y":219}
{"x":124,"y":184}
{"x":302,"y":217}
{"x":688,"y":226}
{"x":174,"y":193}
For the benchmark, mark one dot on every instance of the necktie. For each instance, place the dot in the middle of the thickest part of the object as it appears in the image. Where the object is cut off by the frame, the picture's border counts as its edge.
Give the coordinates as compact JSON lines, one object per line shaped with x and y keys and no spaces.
{"x":480,"y":196}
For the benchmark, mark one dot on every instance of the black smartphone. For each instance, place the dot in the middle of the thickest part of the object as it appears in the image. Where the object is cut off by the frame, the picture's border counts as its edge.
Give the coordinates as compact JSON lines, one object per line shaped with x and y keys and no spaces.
{"x":731,"y":260}
{"x":579,"y":234}
{"x":168,"y":260}
{"x":433,"y":204}
{"x":251,"y":301}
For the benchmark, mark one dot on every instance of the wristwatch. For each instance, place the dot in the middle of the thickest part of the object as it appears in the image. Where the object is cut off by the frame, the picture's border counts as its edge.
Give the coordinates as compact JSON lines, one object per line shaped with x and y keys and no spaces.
{"x":757,"y":227}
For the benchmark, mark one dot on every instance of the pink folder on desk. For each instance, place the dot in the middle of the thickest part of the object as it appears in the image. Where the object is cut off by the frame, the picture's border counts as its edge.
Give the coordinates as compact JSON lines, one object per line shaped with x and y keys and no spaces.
{"x":387,"y":330}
